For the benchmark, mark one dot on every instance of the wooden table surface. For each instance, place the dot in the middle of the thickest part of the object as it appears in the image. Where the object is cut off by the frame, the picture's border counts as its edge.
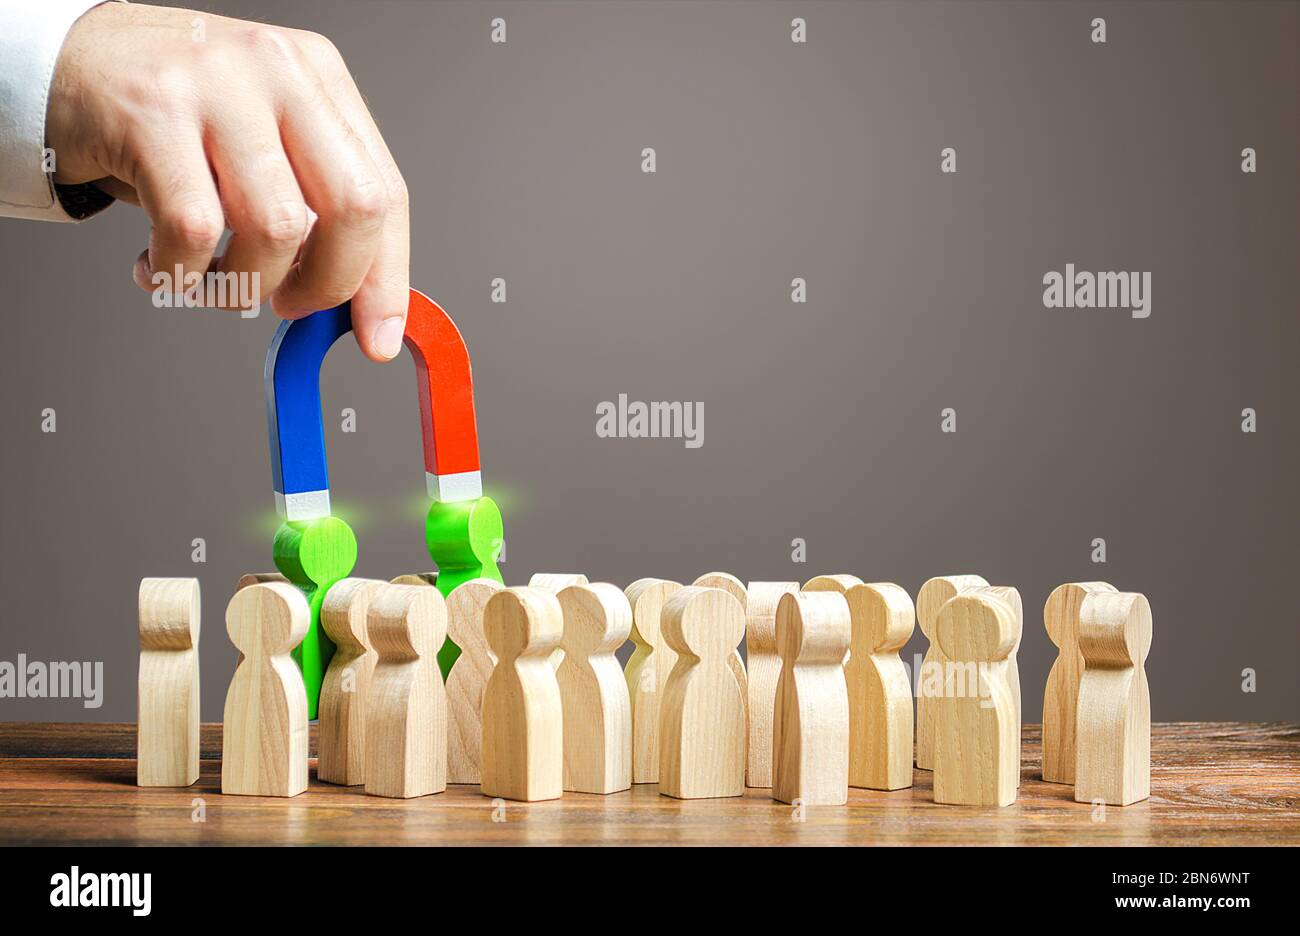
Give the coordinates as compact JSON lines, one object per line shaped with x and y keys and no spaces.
{"x":1211,"y":784}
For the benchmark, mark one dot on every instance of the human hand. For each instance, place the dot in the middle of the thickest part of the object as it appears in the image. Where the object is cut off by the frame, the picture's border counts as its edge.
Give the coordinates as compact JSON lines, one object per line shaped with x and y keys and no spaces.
{"x":207,"y":123}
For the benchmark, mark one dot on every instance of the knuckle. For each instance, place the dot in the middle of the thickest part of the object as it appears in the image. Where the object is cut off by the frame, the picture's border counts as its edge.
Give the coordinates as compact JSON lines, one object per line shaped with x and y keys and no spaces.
{"x":280,"y":224}
{"x":196,"y":228}
{"x":268,"y":44}
{"x":364,"y":203}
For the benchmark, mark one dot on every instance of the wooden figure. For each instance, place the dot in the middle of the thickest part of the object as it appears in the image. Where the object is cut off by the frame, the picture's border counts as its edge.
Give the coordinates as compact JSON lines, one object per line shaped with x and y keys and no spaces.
{"x":930,"y":681}
{"x":880,"y":694}
{"x":1061,"y":698}
{"x":1011,"y":596}
{"x":702,"y":713}
{"x":1114,"y":714}
{"x":647,"y":672}
{"x":465,"y":608}
{"x":763,"y":672}
{"x":597,"y":710}
{"x":810,"y":724}
{"x":342,"y":731}
{"x":736,"y":589}
{"x":167,"y":724}
{"x":406,"y":710}
{"x":264,"y":727}
{"x":554,"y":582}
{"x":975,"y":751}
{"x":523,"y":715}
{"x":313,"y":555}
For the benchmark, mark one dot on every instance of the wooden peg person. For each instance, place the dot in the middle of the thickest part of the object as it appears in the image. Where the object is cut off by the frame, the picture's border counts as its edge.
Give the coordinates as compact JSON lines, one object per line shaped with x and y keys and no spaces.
{"x":523,"y":715}
{"x":736,"y":589}
{"x":880,"y":695}
{"x":167,"y":724}
{"x":1011,"y":596}
{"x":930,"y":682}
{"x":469,"y":675}
{"x":597,"y":710}
{"x":810,"y":733}
{"x":1114,"y":715}
{"x":763,"y":672}
{"x":406,"y":709}
{"x":1061,"y":697}
{"x":647,"y":672}
{"x":264,"y":728}
{"x":975,"y":751}
{"x":342,"y":709}
{"x":702,"y":713}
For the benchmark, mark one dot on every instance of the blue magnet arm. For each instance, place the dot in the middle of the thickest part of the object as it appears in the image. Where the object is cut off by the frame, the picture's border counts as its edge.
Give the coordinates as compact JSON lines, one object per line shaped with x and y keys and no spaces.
{"x":293,"y":410}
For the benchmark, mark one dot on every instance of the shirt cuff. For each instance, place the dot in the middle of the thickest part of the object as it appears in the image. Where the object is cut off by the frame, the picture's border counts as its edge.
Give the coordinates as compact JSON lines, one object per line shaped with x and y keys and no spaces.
{"x":31,"y":35}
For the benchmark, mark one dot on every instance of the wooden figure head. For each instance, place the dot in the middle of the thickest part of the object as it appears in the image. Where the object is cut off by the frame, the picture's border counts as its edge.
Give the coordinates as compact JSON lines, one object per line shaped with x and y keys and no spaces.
{"x":169,"y":613}
{"x":647,"y":597}
{"x":976,"y":628}
{"x":883,"y":618}
{"x":703,"y":623}
{"x":725,"y":581}
{"x":267,"y":619}
{"x":407,"y":622}
{"x":597,"y":619}
{"x":523,"y":622}
{"x":935,"y":593}
{"x":343,"y":612}
{"x":812,"y":628}
{"x":1114,"y":629}
{"x":1061,"y":611}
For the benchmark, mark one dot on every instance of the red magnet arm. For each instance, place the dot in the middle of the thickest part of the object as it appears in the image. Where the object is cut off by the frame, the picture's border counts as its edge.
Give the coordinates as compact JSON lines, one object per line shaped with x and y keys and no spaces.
{"x":450,"y":430}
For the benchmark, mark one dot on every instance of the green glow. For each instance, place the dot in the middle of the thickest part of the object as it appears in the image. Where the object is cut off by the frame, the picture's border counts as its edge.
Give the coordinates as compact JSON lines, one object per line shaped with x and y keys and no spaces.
{"x":314,"y":554}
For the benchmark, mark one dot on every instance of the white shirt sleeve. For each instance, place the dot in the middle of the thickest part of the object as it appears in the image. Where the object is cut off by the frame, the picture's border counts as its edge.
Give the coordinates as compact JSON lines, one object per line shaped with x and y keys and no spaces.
{"x":31,"y":35}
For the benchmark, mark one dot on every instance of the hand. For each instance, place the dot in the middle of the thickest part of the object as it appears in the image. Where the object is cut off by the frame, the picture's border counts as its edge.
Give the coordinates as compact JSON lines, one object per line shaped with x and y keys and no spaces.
{"x":208,"y":122}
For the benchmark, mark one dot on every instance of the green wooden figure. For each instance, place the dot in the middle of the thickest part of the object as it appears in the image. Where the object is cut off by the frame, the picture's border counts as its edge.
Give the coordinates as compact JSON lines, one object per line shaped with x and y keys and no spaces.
{"x":464,"y":539}
{"x":314,"y":554}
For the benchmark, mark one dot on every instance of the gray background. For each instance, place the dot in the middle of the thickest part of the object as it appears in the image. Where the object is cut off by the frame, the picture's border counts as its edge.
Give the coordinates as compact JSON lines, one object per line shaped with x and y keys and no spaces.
{"x":775,"y":160}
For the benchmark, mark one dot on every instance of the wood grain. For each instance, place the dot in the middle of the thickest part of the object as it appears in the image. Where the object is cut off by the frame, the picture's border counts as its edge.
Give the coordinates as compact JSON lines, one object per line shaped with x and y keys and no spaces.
{"x":880,"y":693}
{"x":976,"y":754}
{"x":736,"y":589}
{"x":406,"y":709}
{"x":347,"y":682}
{"x":523,"y":715}
{"x":702,"y":714}
{"x":1114,"y":719}
{"x":763,"y":672}
{"x":469,"y":674}
{"x":264,"y":747}
{"x":1211,"y":784}
{"x":810,"y":722}
{"x":1061,"y":697}
{"x":168,"y":700}
{"x":929,"y":688}
{"x":597,"y":710}
{"x":647,"y":671}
